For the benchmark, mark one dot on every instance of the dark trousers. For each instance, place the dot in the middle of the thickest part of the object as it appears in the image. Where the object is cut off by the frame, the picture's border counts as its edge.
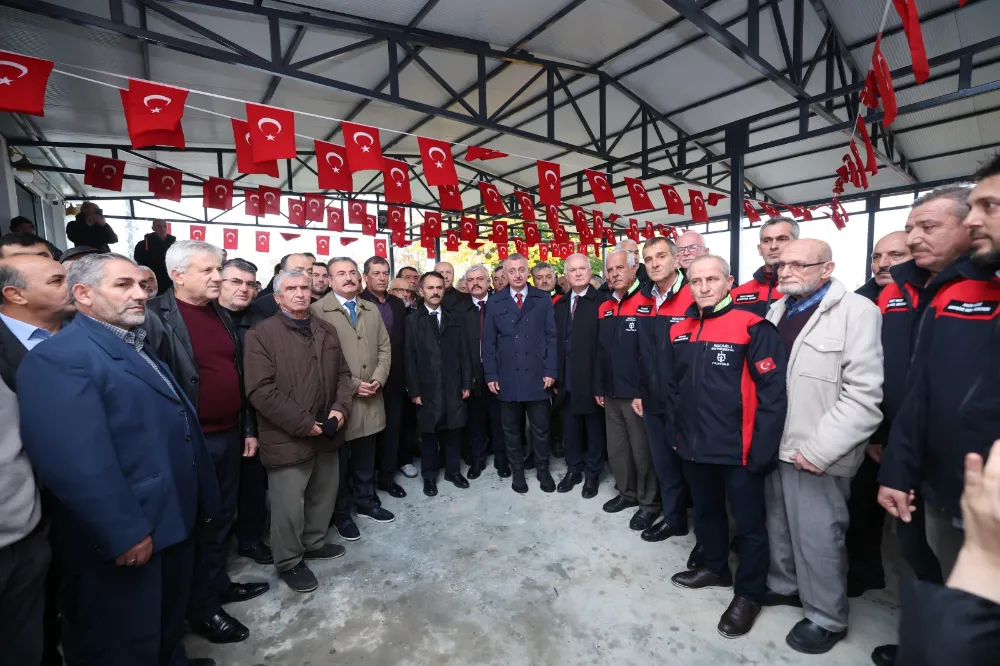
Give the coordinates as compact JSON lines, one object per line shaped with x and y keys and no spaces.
{"x":512,"y":418}
{"x":485,"y":427}
{"x":669,"y":469}
{"x":251,"y":503}
{"x":23,"y":565}
{"x":211,"y":545}
{"x":128,"y":615}
{"x":864,"y":534}
{"x":387,"y":441}
{"x":580,"y":430}
{"x":409,"y":439}
{"x":916,"y":550}
{"x":710,"y":485}
{"x":450,"y":442}
{"x":357,"y":477}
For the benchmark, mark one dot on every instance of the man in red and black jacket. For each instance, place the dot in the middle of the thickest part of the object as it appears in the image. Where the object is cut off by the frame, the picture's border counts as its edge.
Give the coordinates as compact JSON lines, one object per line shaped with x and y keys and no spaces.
{"x":729,"y":368}
{"x":756,"y":294}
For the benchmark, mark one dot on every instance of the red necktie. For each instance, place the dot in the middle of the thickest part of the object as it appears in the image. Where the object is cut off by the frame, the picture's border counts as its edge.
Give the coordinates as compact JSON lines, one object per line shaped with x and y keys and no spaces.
{"x":520,"y":300}
{"x":572,"y":310}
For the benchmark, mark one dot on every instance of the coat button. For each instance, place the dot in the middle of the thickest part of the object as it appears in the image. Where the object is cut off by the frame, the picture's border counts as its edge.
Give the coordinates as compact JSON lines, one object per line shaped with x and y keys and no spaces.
{"x":194,"y":380}
{"x":180,"y":413}
{"x":359,"y":337}
{"x":363,"y":367}
{"x":187,"y":438}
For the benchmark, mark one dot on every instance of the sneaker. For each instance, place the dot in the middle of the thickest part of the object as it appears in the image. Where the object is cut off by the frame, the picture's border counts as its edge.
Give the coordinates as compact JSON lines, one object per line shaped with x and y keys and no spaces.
{"x":328,"y":551}
{"x":348,"y":530}
{"x":300,"y":578}
{"x":409,"y":471}
{"x":378,"y":514}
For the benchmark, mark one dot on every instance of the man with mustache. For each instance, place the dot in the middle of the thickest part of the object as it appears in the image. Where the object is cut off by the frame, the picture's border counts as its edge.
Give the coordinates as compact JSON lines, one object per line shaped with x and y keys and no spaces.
{"x":756,"y":294}
{"x":890,"y":250}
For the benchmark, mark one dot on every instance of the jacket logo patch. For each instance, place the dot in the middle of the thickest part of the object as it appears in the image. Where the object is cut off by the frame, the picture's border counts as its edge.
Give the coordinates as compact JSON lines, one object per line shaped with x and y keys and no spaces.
{"x":644,"y":309}
{"x":676,"y":318}
{"x":683,"y":337}
{"x":977,"y":309}
{"x":608,"y":313}
{"x":631,"y":325}
{"x":895,"y":304}
{"x":722,"y":351}
{"x":746,"y":298}
{"x":765,"y":366}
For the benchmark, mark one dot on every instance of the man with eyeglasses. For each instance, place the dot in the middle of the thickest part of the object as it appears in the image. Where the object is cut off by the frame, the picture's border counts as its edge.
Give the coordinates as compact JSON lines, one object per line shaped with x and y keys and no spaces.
{"x":400,"y":288}
{"x":756,"y":294}
{"x":690,"y":246}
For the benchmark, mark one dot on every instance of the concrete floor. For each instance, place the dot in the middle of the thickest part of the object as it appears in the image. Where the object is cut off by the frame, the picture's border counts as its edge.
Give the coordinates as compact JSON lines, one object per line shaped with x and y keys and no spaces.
{"x":486,"y":576}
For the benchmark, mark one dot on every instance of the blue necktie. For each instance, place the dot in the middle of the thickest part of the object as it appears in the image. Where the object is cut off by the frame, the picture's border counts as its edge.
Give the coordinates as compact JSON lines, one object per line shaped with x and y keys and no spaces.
{"x":40,"y":334}
{"x":352,"y":308}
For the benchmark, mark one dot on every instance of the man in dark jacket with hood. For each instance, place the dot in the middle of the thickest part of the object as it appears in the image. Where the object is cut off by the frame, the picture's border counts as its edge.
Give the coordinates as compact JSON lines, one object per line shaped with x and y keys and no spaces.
{"x":151,"y":251}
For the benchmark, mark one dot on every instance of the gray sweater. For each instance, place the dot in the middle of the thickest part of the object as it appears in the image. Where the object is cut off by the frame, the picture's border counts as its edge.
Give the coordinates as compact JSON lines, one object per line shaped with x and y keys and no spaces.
{"x":20,"y":507}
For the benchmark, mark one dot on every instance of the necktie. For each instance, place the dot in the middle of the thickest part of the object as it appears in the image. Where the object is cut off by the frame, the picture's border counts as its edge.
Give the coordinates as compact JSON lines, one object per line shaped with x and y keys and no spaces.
{"x":572,"y":309}
{"x":482,"y":318}
{"x":352,"y":308}
{"x":40,"y":334}
{"x":520,"y":300}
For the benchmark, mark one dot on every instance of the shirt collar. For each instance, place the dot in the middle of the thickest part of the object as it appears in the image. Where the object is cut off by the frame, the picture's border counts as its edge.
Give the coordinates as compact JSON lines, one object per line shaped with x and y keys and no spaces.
{"x":27,"y":334}
{"x":433,"y":312}
{"x":675,"y":286}
{"x":344,"y":301}
{"x":523,"y":292}
{"x":133,"y":338}
{"x":795,"y":305}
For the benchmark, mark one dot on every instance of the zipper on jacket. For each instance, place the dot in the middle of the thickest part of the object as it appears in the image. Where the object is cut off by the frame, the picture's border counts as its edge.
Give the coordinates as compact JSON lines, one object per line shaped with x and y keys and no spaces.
{"x":994,"y":341}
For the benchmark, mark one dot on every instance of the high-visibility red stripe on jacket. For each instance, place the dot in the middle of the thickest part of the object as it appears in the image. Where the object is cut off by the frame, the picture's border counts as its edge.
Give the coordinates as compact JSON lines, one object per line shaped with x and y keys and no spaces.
{"x":756,"y":294}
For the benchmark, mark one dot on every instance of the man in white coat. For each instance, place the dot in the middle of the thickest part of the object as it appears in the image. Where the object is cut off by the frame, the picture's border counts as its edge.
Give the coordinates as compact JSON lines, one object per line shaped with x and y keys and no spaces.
{"x":833,"y":340}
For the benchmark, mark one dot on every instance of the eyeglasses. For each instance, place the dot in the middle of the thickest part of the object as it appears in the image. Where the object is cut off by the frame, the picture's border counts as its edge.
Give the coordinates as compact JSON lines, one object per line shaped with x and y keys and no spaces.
{"x":690,"y":249}
{"x":795,"y":266}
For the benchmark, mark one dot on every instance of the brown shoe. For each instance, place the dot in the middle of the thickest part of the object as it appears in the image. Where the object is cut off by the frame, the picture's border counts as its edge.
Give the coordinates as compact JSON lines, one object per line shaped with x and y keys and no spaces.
{"x":700,"y":578}
{"x":739,"y":617}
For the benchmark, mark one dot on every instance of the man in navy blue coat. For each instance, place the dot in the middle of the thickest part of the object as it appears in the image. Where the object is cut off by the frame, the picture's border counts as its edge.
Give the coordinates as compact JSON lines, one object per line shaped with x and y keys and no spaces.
{"x":119,"y":448}
{"x":521,"y":366}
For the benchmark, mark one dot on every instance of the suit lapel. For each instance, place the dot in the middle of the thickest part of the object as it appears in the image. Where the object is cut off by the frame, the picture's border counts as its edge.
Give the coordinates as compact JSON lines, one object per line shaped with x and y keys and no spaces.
{"x":130,"y":359}
{"x":529,"y":303}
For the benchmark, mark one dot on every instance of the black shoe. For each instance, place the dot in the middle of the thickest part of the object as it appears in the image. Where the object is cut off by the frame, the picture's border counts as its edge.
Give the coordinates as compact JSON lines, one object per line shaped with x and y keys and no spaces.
{"x":393,"y":488}
{"x":662,"y":531}
{"x":476,"y":469}
{"x":518,"y":484}
{"x":259,"y":553}
{"x":200,"y":662}
{"x":300,"y":578}
{"x":856,"y":588}
{"x":884,"y":655}
{"x":699,"y":578}
{"x":772,"y":598}
{"x":378,"y":514}
{"x":430,"y":487}
{"x":590,"y":487}
{"x":348,"y":530}
{"x":642,"y":520}
{"x":459,"y":480}
{"x":328,"y":551}
{"x":237,"y":592}
{"x":545,"y":481}
{"x":739,"y":617}
{"x":810,"y":638}
{"x":221,"y":628}
{"x":569,"y":481}
{"x":503,"y":470}
{"x":696,"y":560}
{"x":619,"y":503}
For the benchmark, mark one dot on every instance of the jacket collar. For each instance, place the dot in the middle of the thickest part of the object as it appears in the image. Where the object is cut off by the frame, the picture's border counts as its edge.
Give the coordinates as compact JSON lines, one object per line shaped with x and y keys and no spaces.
{"x":330,"y":303}
{"x":834,"y":294}
{"x":724,"y":306}
{"x":632,"y":291}
{"x":909,"y":273}
{"x":762,"y":277}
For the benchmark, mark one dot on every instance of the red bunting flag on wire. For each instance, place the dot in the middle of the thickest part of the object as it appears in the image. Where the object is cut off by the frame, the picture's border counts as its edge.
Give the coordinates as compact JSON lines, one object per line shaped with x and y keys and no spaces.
{"x":526,"y":204}
{"x":272,"y":132}
{"x":675,"y":205}
{"x":750,"y":211}
{"x":331,"y":165}
{"x":699,"y":213}
{"x":104,"y":173}
{"x":871,"y":160}
{"x":364,"y":149}
{"x":438,"y":163}
{"x":230,"y":238}
{"x":165,"y":183}
{"x":600,"y":187}
{"x":315,"y":205}
{"x":173,"y":138}
{"x":549,"y":183}
{"x":883,"y":81}
{"x":451,"y":197}
{"x":217,"y":193}
{"x":271,"y":199}
{"x":479,"y":153}
{"x":297,"y":212}
{"x":23,"y":80}
{"x":396,"y":177}
{"x":196,"y":232}
{"x":244,"y":153}
{"x":335,"y":219}
{"x":252,"y":205}
{"x":263,"y":242}
{"x":637,"y":192}
{"x":492,"y":199}
{"x":357,"y":211}
{"x":907,"y":10}
{"x":154,"y":107}
{"x":323,"y":246}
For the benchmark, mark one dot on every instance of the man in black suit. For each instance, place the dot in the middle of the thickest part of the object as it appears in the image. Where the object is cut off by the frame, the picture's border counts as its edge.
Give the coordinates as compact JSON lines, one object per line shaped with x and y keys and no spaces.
{"x":451,"y":295}
{"x":576,"y":340}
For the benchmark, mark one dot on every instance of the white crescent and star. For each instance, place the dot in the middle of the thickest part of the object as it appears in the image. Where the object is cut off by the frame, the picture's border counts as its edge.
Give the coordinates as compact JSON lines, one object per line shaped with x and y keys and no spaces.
{"x":402,"y":176}
{"x":114,"y":171}
{"x":602,"y":181}
{"x":163,"y":181}
{"x":336,"y":169}
{"x":637,"y":188}
{"x":255,"y":198}
{"x":297,"y":207}
{"x":269,"y":121}
{"x":335,"y":215}
{"x":198,"y":234}
{"x":395,"y":215}
{"x":551,"y":181}
{"x":230,"y":236}
{"x":322,"y":242}
{"x":269,"y":197}
{"x":152,"y":98}
{"x":16,"y":65}
{"x":313,"y":204}
{"x":371,"y":141}
{"x":261,"y":239}
{"x":356,"y":208}
{"x":223,"y":192}
{"x":440,"y":163}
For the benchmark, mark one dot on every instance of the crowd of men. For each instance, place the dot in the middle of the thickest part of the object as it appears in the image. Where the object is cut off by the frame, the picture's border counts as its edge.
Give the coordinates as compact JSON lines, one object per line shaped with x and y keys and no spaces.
{"x":162,"y":410}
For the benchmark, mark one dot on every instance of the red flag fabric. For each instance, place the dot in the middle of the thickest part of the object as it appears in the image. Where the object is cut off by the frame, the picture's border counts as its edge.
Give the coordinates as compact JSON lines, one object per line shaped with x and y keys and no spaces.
{"x":357,"y":211}
{"x":364,"y":149}
{"x":852,"y":170}
{"x":580,"y":221}
{"x":23,"y":80}
{"x":869,"y":94}
{"x":552,"y":216}
{"x":907,"y":10}
{"x":526,"y":204}
{"x":427,"y":242}
{"x":252,"y":205}
{"x":381,"y":248}
{"x":451,"y":197}
{"x":154,"y":107}
{"x":271,"y":199}
{"x":165,"y":183}
{"x":272,"y":132}
{"x":263,"y":243}
{"x":244,"y":152}
{"x":217,"y":193}
{"x":331,"y":163}
{"x":491,"y":199}
{"x":838,"y":187}
{"x":297,"y":212}
{"x":439,"y":165}
{"x":770,"y":209}
{"x":289,"y":237}
{"x":675,"y":205}
{"x":451,"y":240}
{"x":173,"y":138}
{"x":396,"y":181}
{"x":431,"y":253}
{"x":323,"y":246}
{"x":395,"y":218}
{"x":431,"y":228}
{"x":315,"y":205}
{"x":610,"y":236}
{"x":479,"y":153}
{"x":637,"y":192}
{"x":104,"y":173}
{"x":369,"y":226}
{"x":500,"y":232}
{"x":335,"y":219}
{"x":399,"y":239}
{"x":230,"y":239}
{"x":520,"y":246}
{"x":648,"y":231}
{"x":549,"y":183}
{"x":859,"y":164}
{"x":598,"y":224}
{"x":871,"y":161}
{"x":559,"y":234}
{"x":600,"y":187}
{"x":543,"y":252}
{"x":503,"y":251}
{"x":633,"y":230}
{"x":197,"y":232}
{"x":750,"y":211}
{"x":470,"y":230}
{"x":583,"y":248}
{"x":346,"y":240}
{"x":883,"y":78}
{"x":531,"y":235}
{"x":839,"y":219}
{"x":699,"y":213}
{"x":714,"y":198}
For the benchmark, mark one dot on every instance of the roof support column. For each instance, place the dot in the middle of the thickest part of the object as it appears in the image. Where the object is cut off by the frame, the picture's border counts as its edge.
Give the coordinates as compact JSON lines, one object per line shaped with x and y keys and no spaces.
{"x":8,"y":190}
{"x":737,"y":142}
{"x":871,"y":207}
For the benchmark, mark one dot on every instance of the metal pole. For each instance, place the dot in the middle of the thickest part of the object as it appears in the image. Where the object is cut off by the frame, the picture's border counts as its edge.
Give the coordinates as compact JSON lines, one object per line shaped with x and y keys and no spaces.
{"x":737,"y":140}
{"x":871,"y":206}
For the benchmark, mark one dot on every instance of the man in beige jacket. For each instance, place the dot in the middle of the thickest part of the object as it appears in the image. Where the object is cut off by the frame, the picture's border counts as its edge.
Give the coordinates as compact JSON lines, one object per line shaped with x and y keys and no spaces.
{"x":833,"y":341}
{"x":366,"y":346}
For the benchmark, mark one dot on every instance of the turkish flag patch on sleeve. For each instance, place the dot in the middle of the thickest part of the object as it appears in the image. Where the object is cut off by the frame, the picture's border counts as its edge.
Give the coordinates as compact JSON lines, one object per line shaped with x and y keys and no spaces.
{"x":765,"y":366}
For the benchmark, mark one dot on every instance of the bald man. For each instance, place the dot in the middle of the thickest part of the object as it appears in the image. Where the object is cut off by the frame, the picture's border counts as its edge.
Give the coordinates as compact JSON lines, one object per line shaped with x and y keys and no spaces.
{"x":452,"y":296}
{"x":890,"y":250}
{"x":690,"y":246}
{"x":832,"y":340}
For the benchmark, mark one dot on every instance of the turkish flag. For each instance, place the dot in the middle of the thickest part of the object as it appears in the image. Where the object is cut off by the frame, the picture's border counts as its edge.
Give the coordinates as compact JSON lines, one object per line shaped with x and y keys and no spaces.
{"x":323,"y":245}
{"x":217,"y":193}
{"x":272,"y":132}
{"x":583,"y":248}
{"x":395,"y":218}
{"x":431,"y":228}
{"x":271,"y":198}
{"x":399,"y":239}
{"x":552,"y":216}
{"x":491,"y":199}
{"x":852,"y":170}
{"x":364,"y":149}
{"x":580,"y":219}
{"x":531,"y":235}
{"x":251,"y":204}
{"x":503,"y":251}
{"x":165,"y":183}
{"x":600,"y":186}
{"x":289,"y":237}
{"x":699,"y":213}
{"x":675,"y":205}
{"x":104,"y":173}
{"x":500,"y":232}
{"x":770,"y":209}
{"x":230,"y":239}
{"x":439,"y":165}
{"x":871,"y":161}
{"x":633,"y":230}
{"x":598,"y":224}
{"x":263,"y":241}
{"x":451,"y":240}
{"x":526,"y":204}
{"x":648,"y":231}
{"x":610,"y":237}
{"x":549,"y":184}
{"x":315,"y":204}
{"x":428,"y":242}
{"x":520,"y":246}
{"x":869,"y":94}
{"x":765,"y":366}
{"x":154,"y":107}
{"x":173,"y":138}
{"x":838,"y":187}
{"x":714,"y":198}
{"x":451,"y":197}
{"x":859,"y":164}
{"x":750,"y":211}
{"x":559,"y":234}
{"x":346,"y":240}
{"x":197,"y":232}
{"x":369,"y":226}
{"x":907,"y":10}
{"x":381,"y":248}
{"x":543,"y":252}
{"x":883,"y":79}
{"x":297,"y":212}
{"x":839,"y":218}
{"x":22,"y":83}
{"x":331,"y":163}
{"x":479,"y":153}
{"x":637,"y":192}
{"x":431,"y":253}
{"x":470,"y":230}
{"x":357,"y":211}
{"x":396,"y":181}
{"x":335,"y":219}
{"x":244,"y":153}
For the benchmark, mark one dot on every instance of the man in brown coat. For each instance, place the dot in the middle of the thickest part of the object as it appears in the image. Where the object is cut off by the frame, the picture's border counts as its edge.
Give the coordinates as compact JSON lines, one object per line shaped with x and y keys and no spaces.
{"x":300,"y":384}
